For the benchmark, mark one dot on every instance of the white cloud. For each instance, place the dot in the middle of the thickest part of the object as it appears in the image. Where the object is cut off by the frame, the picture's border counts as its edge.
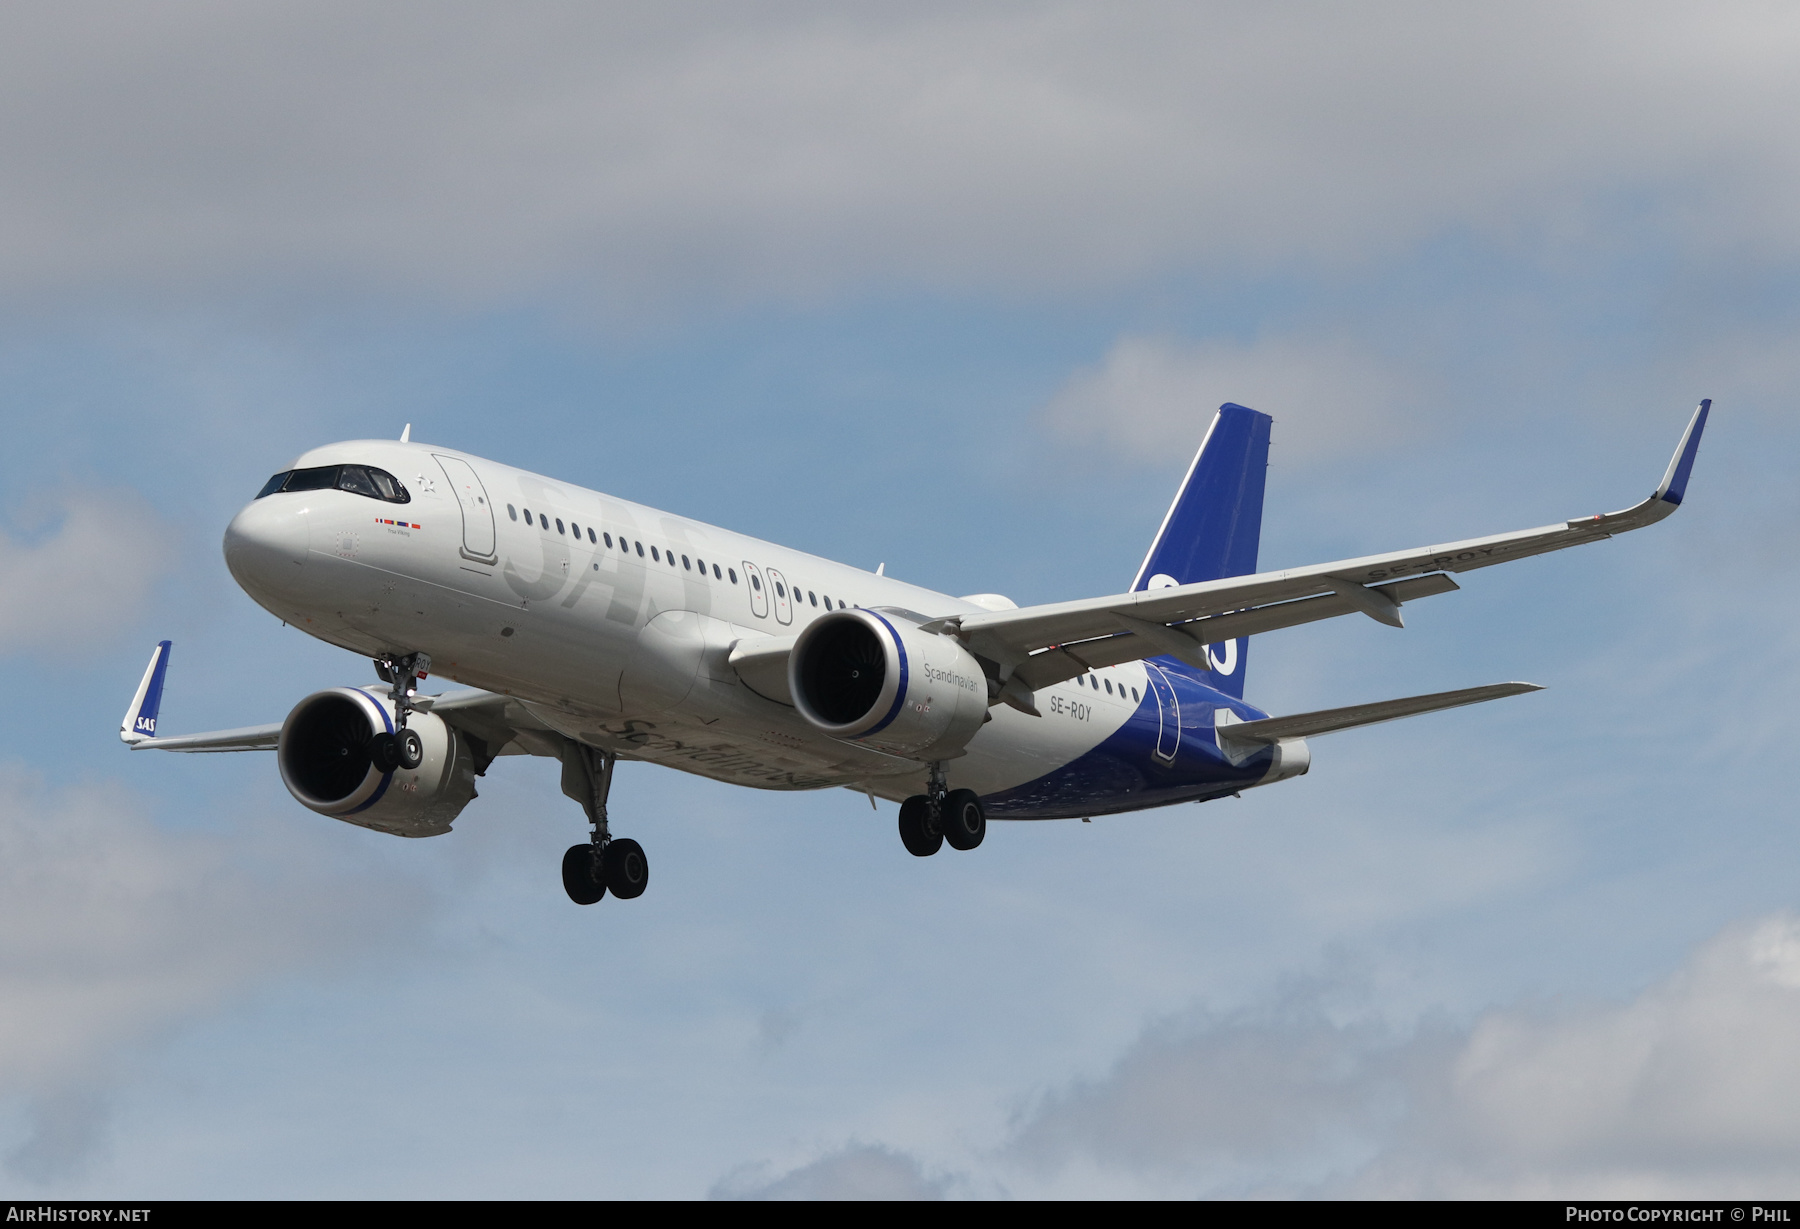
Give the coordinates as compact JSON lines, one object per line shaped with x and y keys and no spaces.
{"x":859,"y":1171}
{"x":1689,"y":1090}
{"x":113,"y":930}
{"x":795,"y":149}
{"x":1151,"y":395}
{"x":85,"y":581}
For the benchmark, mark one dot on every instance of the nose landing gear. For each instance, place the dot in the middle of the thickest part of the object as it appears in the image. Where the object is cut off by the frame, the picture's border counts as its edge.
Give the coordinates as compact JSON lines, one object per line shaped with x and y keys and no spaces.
{"x":941,"y":814}
{"x":403,"y":748}
{"x":604,"y":864}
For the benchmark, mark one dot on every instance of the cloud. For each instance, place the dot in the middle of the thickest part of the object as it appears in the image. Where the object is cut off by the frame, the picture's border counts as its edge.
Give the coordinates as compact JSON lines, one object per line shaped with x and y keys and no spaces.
{"x":860,"y":1171}
{"x":795,"y":150}
{"x":1150,"y":395}
{"x":1689,"y":1090}
{"x":113,"y":930}
{"x":87,"y":579}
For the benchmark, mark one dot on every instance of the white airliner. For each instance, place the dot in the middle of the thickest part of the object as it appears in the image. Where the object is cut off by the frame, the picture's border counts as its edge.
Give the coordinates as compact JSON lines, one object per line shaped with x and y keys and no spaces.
{"x":597,"y":630}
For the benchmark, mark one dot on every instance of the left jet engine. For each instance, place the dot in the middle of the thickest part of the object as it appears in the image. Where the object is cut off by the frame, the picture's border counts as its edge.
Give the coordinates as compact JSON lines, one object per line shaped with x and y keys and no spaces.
{"x":327,"y":765}
{"x":879,"y":681}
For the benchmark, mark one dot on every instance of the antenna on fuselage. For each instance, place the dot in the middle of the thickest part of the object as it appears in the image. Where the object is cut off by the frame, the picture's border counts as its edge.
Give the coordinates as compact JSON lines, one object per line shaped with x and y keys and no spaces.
{"x":881,"y":569}
{"x":406,"y":435}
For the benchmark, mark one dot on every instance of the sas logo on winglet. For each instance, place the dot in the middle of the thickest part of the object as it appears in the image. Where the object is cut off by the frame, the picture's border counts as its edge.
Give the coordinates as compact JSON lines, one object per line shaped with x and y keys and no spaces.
{"x":146,"y":725}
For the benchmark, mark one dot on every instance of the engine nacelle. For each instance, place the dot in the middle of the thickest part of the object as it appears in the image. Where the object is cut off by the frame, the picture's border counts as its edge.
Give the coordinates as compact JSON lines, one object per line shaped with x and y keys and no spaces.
{"x":882,"y":683}
{"x":325,"y":763}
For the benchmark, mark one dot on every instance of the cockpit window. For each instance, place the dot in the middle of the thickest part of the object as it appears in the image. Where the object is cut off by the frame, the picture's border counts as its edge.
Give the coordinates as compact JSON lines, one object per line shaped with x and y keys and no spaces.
{"x":321,"y":479}
{"x":357,"y":479}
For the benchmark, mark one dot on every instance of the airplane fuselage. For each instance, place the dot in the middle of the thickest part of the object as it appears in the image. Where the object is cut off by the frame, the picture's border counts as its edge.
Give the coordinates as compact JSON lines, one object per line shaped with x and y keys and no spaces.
{"x":613,"y":624}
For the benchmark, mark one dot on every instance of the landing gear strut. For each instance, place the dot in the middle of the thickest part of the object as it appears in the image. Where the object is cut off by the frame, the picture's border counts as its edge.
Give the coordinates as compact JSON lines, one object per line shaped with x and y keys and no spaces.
{"x":941,"y":814}
{"x":403,"y":748}
{"x":604,"y":863}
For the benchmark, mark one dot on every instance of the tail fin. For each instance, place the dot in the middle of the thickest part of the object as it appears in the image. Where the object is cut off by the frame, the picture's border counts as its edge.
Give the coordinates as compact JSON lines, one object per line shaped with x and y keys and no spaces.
{"x":1214,"y":526}
{"x":140,"y":718}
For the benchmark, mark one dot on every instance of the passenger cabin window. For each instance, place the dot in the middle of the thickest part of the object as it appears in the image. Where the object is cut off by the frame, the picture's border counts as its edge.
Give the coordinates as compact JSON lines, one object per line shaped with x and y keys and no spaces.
{"x":812,"y":597}
{"x":640,"y":549}
{"x":654,"y":556}
{"x":528,"y":516}
{"x":591,"y":536}
{"x":608,"y":538}
{"x":686,"y":566}
{"x":716,"y":575}
{"x":1109,"y":687}
{"x":732,"y":571}
{"x":559,"y":528}
{"x":543,"y":521}
{"x":755,"y":582}
{"x":780,"y":589}
{"x":512,"y":512}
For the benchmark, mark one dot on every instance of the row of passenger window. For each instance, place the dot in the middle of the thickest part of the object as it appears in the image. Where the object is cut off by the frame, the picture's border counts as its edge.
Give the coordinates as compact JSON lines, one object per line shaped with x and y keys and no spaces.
{"x":1096,"y":682}
{"x":781,"y":591}
{"x":656,"y":555}
{"x":625,"y":544}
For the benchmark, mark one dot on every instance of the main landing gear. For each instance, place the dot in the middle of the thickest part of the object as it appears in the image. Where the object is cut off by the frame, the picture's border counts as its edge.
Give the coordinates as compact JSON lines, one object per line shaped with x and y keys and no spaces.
{"x":403,"y":748}
{"x":604,"y":864}
{"x":941,"y":814}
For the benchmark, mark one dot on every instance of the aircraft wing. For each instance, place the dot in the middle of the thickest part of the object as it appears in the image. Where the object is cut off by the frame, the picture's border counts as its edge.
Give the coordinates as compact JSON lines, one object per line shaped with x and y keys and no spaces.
{"x":500,"y":724}
{"x":1042,"y":645}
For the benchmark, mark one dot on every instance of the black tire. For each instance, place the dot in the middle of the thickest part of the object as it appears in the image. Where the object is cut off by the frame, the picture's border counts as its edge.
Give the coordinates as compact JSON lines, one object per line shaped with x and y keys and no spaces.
{"x":384,"y":752}
{"x":409,"y":749}
{"x":917,"y":833}
{"x":579,"y":880}
{"x":626,"y":869}
{"x":963,"y":821}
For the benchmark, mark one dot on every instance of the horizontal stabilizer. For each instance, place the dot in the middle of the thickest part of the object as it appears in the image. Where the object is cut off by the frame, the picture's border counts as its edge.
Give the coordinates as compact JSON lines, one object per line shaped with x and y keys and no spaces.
{"x":1326,"y":721}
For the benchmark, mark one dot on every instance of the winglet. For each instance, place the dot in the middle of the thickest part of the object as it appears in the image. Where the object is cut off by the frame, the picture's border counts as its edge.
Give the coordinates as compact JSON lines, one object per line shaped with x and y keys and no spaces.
{"x":1674,"y":483}
{"x":140,"y":718}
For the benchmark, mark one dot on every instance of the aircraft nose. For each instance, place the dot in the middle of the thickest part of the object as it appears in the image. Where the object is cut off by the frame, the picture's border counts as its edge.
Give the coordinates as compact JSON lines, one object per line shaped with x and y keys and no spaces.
{"x":265,"y":544}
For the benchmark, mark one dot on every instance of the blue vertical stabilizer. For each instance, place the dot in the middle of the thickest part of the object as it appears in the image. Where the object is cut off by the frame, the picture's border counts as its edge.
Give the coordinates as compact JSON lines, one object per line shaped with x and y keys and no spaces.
{"x":1214,"y":526}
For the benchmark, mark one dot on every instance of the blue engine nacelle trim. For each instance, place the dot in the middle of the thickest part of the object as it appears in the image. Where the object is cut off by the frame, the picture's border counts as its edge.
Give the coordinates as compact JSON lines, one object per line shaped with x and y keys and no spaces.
{"x":905,"y":677}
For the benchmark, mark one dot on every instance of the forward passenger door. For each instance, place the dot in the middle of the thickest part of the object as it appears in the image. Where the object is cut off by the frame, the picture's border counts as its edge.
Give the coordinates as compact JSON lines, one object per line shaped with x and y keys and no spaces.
{"x":477,"y":512}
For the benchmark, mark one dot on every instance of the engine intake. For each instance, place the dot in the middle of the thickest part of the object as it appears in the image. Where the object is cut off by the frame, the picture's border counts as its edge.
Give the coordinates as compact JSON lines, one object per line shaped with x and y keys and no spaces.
{"x":878,"y":681}
{"x":326,"y":764}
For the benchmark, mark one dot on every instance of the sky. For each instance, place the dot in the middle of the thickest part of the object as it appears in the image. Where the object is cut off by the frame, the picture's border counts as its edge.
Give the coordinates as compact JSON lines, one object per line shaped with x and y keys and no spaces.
{"x":953,"y":289}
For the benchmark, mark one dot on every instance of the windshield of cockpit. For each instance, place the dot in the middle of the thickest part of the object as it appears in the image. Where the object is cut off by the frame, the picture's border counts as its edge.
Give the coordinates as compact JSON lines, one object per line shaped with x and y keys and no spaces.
{"x":357,"y":479}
